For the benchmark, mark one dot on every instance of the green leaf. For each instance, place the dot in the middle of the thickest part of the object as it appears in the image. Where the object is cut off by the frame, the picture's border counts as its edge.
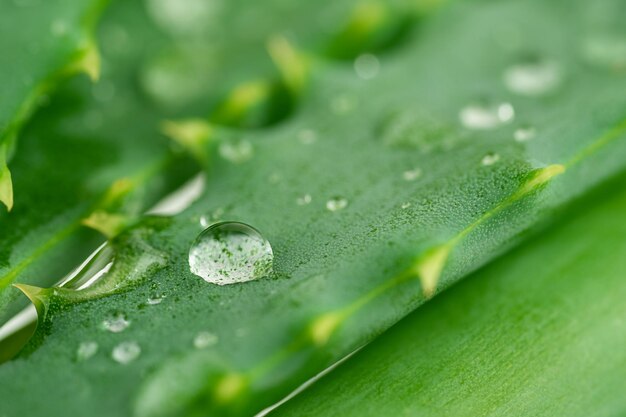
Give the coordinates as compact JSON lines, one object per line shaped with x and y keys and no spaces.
{"x":58,"y":42}
{"x":539,"y":332}
{"x":404,"y":200}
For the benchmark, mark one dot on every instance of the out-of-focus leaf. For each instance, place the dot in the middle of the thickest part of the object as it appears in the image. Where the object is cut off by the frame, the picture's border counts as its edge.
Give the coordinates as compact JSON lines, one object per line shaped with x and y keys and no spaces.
{"x":41,"y":42}
{"x":374,"y":195}
{"x":539,"y":332}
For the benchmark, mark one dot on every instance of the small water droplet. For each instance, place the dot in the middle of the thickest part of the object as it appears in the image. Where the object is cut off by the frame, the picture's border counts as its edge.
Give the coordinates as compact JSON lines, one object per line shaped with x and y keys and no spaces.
{"x":304,"y":200}
{"x":412,"y":174}
{"x":533,"y":78}
{"x":485,"y":117}
{"x":156,"y":298}
{"x":342,"y":104}
{"x":524,"y":134}
{"x":204,"y":340}
{"x":103,"y":91}
{"x":366,"y":66}
{"x":86,"y":350}
{"x":405,"y":205}
{"x":184,"y":17}
{"x":58,"y":28}
{"x":307,"y":136}
{"x":490,"y":159}
{"x":336,"y":204}
{"x":116,"y":323}
{"x":126,"y":352}
{"x":236,"y":152}
{"x":229,"y":253}
{"x":605,"y":50}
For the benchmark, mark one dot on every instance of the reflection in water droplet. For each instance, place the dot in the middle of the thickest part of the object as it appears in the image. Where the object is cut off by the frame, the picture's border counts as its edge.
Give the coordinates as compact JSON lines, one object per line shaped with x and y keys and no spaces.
{"x":304,"y":200}
{"x":229,"y":253}
{"x":490,"y":159}
{"x":482,"y":117}
{"x":412,"y":174}
{"x":336,"y":204}
{"x":86,"y":350}
{"x":307,"y":136}
{"x":204,"y":340}
{"x":533,"y":78}
{"x":366,"y":66}
{"x":524,"y":134}
{"x":605,"y":50}
{"x":126,"y":352}
{"x":116,"y":323}
{"x":236,"y":151}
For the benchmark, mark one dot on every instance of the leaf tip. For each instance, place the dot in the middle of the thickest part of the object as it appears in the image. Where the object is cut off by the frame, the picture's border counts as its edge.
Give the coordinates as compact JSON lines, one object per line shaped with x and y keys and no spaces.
{"x":106,"y":223}
{"x":191,"y":134}
{"x":430,"y":267}
{"x":292,"y":63}
{"x":6,"y":187}
{"x":37,"y":295}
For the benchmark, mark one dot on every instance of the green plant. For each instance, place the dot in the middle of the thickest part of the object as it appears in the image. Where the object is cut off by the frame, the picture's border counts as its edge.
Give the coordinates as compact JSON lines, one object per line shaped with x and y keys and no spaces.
{"x":376,"y":191}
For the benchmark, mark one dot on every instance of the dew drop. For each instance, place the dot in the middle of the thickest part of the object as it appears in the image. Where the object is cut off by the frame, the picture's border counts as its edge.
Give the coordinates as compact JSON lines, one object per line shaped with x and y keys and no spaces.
{"x":366,"y":66}
{"x":116,"y":323}
{"x":86,"y":350}
{"x":412,"y":174}
{"x":490,"y":159}
{"x":524,"y":134}
{"x":342,"y":104}
{"x":307,"y":136}
{"x":156,"y":299}
{"x":533,"y":78}
{"x":236,"y":152}
{"x":304,"y":200}
{"x":229,"y":253}
{"x":336,"y":204}
{"x":605,"y":50}
{"x":126,"y":352}
{"x":484,"y":117}
{"x":405,"y":206}
{"x":204,"y":340}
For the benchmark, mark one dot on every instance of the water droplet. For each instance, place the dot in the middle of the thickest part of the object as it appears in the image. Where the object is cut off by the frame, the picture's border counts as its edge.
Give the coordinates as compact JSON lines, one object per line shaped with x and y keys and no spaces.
{"x":366,"y":66}
{"x":58,"y":28}
{"x":533,"y":78}
{"x":490,"y":159}
{"x":156,"y":298}
{"x":336,"y":204}
{"x":307,"y":136}
{"x":236,"y":152}
{"x":86,"y":350}
{"x":343,"y":104}
{"x":416,"y":129}
{"x":605,"y":50}
{"x":524,"y":134}
{"x":304,"y":200}
{"x":182,"y":17}
{"x":204,"y":340}
{"x":126,"y":352}
{"x":229,"y":253}
{"x":485,"y":117}
{"x":103,"y":91}
{"x":116,"y":323}
{"x":405,"y":205}
{"x":412,"y":174}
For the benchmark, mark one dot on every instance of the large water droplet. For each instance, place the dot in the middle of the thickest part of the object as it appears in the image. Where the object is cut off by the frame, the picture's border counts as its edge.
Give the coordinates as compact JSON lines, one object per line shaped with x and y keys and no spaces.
{"x":336,"y":204}
{"x":533,"y":78}
{"x":229,"y":253}
{"x":116,"y":323}
{"x":126,"y":352}
{"x":366,"y":66}
{"x":86,"y":350}
{"x":485,"y":117}
{"x":204,"y":340}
